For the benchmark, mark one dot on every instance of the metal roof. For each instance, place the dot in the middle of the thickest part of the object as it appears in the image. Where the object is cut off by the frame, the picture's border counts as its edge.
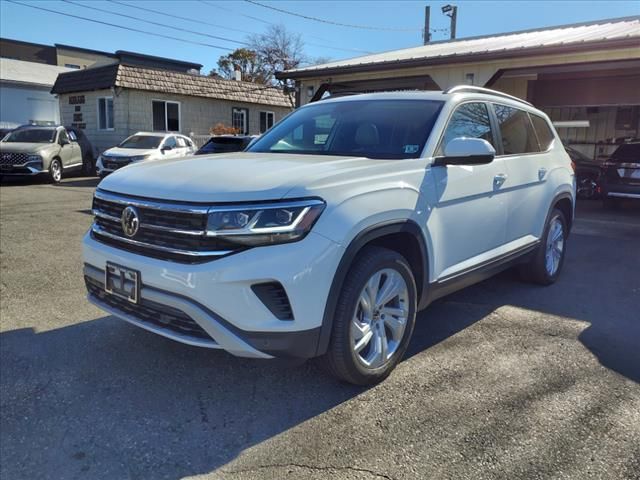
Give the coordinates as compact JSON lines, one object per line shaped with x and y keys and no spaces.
{"x":510,"y":44}
{"x":29,"y":73}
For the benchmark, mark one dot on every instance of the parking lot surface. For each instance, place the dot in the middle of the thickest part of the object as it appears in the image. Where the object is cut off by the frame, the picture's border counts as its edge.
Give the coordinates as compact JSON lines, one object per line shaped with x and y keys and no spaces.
{"x":502,"y":380}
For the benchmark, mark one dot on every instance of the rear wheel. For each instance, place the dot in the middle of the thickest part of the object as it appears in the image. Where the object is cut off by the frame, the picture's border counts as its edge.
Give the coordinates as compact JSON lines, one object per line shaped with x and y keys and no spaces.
{"x":545,"y":265}
{"x":374,"y":318}
{"x":55,"y":171}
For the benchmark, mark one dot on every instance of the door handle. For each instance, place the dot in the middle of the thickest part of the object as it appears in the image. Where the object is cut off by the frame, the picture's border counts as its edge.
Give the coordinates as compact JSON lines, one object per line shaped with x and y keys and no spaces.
{"x":542,"y":172}
{"x":499,"y":179}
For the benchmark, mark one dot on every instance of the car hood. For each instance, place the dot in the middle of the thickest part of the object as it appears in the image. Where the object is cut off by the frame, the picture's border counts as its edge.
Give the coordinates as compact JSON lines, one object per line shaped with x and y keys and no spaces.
{"x":128,"y":152}
{"x":243,"y":176}
{"x":18,"y":147}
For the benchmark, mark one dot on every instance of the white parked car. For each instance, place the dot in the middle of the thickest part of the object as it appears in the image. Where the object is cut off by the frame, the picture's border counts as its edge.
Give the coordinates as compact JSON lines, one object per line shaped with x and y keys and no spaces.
{"x":144,"y":146}
{"x":333,"y":229}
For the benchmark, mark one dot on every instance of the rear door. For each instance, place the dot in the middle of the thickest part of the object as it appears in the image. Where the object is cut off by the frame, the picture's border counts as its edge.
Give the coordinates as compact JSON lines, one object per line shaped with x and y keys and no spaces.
{"x":470,"y":217}
{"x":529,"y":168}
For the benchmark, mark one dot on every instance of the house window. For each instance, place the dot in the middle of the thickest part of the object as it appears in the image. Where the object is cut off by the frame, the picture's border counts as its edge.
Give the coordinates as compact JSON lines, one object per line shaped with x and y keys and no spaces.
{"x":166,"y":116}
{"x":266,"y":121}
{"x":240,"y":120}
{"x":105,"y":113}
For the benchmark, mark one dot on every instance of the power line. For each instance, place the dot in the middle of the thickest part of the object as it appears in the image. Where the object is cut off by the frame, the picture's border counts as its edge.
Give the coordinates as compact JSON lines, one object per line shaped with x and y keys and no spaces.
{"x":92,"y":7}
{"x":261,"y":20}
{"x":187,"y":19}
{"x":193,"y":42}
{"x":331,"y":22}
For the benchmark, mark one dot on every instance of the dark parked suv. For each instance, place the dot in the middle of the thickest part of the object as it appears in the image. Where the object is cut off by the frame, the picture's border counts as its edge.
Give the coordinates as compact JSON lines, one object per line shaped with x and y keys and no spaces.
{"x":621,"y":175}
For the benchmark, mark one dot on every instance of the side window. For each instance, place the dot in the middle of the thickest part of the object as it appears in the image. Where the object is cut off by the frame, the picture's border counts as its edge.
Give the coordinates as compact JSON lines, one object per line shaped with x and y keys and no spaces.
{"x":543,"y":131}
{"x":470,"y":120}
{"x":516,"y":130}
{"x":63,"y":136}
{"x":72,"y":136}
{"x":181,"y":143}
{"x":170,"y":142}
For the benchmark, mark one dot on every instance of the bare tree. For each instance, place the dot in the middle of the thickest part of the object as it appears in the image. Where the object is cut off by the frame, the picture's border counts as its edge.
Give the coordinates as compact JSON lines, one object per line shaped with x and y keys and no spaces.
{"x":278,"y":50}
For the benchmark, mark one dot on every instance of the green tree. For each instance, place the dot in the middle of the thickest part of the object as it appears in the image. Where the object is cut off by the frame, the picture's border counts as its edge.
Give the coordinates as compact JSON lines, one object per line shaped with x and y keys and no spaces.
{"x":247,"y":62}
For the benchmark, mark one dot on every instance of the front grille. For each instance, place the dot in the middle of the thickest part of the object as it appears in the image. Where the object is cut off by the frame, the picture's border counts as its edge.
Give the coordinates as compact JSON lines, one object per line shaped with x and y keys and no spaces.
{"x":173,"y":232}
{"x":152,"y":313}
{"x":13,"y":158}
{"x":114,"y":163}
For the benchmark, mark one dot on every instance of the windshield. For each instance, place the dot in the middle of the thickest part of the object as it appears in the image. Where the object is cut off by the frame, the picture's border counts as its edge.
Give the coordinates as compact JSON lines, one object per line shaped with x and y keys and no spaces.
{"x":32,"y":135}
{"x":628,"y":152}
{"x":388,"y":129}
{"x":143,"y":142}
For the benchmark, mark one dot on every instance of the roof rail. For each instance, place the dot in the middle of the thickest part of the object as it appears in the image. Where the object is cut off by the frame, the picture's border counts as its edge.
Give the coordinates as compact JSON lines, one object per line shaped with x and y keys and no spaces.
{"x":488,"y":91}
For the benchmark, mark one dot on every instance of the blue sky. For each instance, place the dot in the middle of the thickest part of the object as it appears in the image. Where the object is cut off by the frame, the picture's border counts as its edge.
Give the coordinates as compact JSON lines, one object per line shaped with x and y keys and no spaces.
{"x":321,"y":40}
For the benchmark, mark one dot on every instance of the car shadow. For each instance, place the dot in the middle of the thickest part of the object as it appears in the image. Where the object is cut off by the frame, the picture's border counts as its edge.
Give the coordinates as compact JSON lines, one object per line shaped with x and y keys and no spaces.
{"x":160,"y":410}
{"x":79,"y":182}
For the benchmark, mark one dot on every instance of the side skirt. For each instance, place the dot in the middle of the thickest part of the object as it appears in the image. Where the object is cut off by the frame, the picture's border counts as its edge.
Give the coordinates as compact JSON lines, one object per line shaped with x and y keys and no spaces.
{"x":477,"y":273}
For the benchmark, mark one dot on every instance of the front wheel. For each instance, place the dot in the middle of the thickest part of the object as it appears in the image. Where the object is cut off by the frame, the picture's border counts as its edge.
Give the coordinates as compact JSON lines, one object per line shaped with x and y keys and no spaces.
{"x":545,"y":265}
{"x":374,"y":318}
{"x":55,"y":171}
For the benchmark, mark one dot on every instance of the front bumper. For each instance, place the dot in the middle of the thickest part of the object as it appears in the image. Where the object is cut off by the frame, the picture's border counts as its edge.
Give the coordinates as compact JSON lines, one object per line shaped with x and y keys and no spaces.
{"x":22,"y":170}
{"x":218,"y":297}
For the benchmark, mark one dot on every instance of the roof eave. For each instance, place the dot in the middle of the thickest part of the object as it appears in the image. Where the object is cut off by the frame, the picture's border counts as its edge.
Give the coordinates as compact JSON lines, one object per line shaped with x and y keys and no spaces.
{"x":454,"y":59}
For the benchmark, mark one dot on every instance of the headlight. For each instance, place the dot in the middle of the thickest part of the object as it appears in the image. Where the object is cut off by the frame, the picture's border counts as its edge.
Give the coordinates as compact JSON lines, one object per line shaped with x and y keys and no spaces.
{"x":264,"y":224}
{"x":34,"y":158}
{"x":139,"y":158}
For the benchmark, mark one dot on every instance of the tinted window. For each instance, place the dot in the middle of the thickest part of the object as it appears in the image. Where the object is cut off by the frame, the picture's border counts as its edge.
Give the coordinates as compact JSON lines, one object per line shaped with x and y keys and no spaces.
{"x":470,"y":120}
{"x":223,"y":144}
{"x":369,"y":128}
{"x":545,"y":135}
{"x":63,"y":136}
{"x":170,"y":142}
{"x":517,"y":132}
{"x":629,"y":152}
{"x":141,"y":141}
{"x":32,"y":135}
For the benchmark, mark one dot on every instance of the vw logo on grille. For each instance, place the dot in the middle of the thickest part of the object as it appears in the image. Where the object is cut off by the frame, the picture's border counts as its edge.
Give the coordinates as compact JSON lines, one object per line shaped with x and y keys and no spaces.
{"x":130,"y":221}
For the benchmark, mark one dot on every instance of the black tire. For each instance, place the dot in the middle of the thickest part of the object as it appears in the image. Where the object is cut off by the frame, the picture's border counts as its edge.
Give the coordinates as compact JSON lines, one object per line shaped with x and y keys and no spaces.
{"x":55,"y":171}
{"x":340,"y":359}
{"x":88,"y":167}
{"x":536,"y":271}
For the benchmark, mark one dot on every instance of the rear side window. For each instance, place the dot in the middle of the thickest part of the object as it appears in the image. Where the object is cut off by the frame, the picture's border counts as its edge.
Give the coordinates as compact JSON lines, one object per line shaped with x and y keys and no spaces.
{"x":470,"y":120}
{"x":181,"y":143}
{"x":543,"y":131}
{"x":629,"y":152}
{"x":516,"y":130}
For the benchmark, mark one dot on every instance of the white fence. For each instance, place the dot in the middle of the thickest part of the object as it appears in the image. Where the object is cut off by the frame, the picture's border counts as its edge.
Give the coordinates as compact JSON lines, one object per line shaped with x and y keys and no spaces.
{"x":199,"y":140}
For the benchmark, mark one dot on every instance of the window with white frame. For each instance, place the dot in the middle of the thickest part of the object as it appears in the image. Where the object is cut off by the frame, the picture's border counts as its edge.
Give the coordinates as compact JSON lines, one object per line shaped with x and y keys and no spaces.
{"x":266,"y":121}
{"x":240,"y":120}
{"x":105,"y":113}
{"x":166,"y":116}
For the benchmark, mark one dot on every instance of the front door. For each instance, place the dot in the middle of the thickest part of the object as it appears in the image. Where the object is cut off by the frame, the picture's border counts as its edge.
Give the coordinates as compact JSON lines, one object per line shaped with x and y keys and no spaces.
{"x":468,"y":222}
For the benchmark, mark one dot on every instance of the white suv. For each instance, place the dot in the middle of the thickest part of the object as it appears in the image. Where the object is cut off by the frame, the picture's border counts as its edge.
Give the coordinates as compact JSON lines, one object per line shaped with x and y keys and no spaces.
{"x":144,"y":146}
{"x":341,"y":222}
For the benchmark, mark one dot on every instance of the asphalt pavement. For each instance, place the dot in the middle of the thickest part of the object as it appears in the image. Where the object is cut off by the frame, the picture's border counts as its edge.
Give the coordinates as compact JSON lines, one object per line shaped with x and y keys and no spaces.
{"x":503,"y":380}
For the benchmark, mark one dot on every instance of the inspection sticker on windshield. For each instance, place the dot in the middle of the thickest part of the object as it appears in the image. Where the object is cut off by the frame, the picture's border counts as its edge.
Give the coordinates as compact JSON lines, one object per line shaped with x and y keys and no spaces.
{"x":411,"y":148}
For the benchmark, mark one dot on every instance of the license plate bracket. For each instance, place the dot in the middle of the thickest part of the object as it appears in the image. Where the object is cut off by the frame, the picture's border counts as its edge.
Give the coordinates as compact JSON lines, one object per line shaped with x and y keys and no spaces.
{"x":122,"y":282}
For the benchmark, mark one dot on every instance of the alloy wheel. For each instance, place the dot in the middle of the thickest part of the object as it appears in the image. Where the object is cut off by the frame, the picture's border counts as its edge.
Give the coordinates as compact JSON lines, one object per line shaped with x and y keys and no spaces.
{"x":555,"y":246}
{"x":380,"y":318}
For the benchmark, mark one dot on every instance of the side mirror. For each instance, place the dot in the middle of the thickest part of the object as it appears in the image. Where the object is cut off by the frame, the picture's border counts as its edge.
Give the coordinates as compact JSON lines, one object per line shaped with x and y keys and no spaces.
{"x":466,"y":151}
{"x":64,"y":142}
{"x":166,"y":148}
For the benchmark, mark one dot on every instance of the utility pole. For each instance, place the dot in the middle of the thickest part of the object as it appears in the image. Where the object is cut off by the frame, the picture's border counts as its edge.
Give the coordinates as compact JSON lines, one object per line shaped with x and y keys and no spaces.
{"x":426,"y":35}
{"x":451,"y":11}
